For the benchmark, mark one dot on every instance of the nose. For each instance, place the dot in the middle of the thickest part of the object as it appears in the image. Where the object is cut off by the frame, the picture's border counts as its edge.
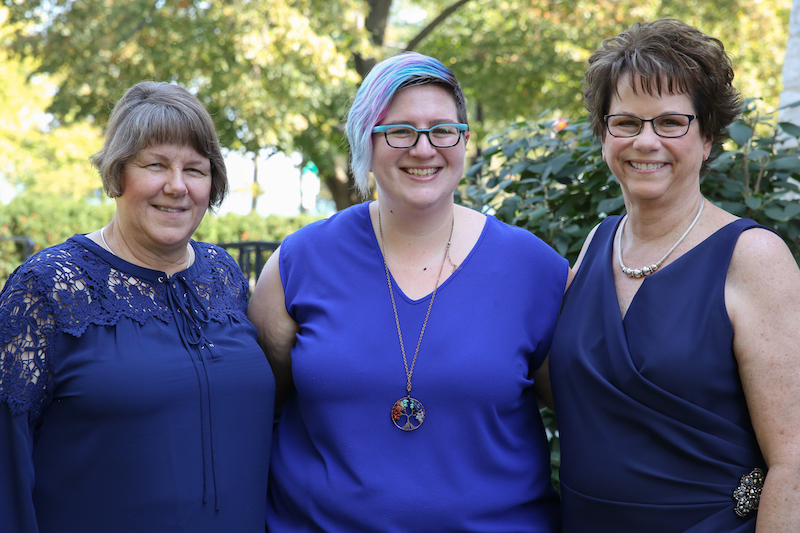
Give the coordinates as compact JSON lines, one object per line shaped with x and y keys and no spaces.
{"x":423,"y":148}
{"x":647,"y":139}
{"x":175,"y":184}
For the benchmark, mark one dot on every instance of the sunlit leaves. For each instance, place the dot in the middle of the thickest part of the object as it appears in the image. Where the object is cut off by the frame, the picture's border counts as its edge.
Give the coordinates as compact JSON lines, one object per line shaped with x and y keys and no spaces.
{"x":519,"y":57}
{"x":260,"y":66}
{"x":35,"y":153}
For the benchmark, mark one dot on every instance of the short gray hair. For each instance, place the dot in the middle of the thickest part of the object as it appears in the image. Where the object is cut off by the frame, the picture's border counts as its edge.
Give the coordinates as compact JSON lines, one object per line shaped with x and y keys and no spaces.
{"x":153,"y":113}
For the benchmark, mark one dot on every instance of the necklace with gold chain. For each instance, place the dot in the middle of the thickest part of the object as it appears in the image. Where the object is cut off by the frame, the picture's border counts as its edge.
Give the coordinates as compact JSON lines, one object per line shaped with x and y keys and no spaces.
{"x":408,"y":413}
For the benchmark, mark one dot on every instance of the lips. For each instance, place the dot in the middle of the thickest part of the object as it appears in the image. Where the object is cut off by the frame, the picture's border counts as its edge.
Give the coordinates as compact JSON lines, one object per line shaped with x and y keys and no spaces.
{"x":169,"y":209}
{"x":647,"y":166}
{"x":422,"y":172}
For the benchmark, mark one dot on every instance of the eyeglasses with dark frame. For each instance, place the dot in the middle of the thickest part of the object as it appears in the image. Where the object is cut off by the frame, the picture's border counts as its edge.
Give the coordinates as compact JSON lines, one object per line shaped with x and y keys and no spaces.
{"x":670,"y":126}
{"x":405,"y":136}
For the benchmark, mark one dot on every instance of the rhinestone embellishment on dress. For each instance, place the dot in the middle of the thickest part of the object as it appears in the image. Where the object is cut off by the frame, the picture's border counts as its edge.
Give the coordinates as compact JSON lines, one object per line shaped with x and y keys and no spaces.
{"x":748,"y":493}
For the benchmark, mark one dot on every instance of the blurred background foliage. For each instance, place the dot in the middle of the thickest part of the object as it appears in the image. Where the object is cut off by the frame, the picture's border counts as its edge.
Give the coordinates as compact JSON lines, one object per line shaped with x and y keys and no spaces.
{"x":49,"y":219}
{"x":278,"y":75}
{"x":549,"y":177}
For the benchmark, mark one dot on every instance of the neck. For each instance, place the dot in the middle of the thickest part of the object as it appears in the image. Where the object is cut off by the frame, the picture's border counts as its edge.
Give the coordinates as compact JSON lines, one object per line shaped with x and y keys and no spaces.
{"x":655,"y":221}
{"x":413,"y":232}
{"x":169,"y":261}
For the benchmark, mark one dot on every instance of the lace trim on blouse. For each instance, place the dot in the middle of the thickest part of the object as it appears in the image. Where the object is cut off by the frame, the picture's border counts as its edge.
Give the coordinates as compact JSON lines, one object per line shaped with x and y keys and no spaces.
{"x":67,"y":288}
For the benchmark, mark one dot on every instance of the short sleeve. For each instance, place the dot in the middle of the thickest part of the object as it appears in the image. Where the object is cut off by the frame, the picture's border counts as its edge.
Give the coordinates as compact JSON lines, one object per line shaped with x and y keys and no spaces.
{"x":27,"y":329}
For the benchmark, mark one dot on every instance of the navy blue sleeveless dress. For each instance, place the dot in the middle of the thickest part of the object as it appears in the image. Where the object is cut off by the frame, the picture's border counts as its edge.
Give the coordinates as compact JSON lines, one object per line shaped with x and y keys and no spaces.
{"x":655,"y":431}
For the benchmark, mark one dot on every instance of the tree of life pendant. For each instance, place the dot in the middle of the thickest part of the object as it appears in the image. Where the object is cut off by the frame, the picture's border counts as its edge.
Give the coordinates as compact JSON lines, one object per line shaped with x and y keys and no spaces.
{"x":408,"y":413}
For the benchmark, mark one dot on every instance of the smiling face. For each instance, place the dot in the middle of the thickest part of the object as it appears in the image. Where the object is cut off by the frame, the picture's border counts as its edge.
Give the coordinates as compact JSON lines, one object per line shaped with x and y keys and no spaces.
{"x":421,"y":176}
{"x":165,"y":194}
{"x":647,"y":166}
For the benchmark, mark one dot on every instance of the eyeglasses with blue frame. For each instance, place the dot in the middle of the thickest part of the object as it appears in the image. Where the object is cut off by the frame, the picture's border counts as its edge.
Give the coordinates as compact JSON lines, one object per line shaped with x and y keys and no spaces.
{"x":405,"y":136}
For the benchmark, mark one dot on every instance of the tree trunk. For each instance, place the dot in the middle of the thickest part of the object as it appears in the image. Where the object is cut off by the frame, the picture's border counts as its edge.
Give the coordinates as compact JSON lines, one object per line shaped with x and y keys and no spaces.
{"x":256,"y":188}
{"x":791,"y":71}
{"x":340,"y":184}
{"x":375,"y":24}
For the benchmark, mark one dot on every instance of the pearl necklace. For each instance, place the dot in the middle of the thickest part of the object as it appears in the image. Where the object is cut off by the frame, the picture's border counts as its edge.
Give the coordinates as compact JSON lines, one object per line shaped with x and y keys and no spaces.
{"x":646,"y":271}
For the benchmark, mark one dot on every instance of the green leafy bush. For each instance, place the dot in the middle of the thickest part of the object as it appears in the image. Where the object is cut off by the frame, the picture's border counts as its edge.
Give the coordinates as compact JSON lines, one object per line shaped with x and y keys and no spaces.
{"x":549,"y":176}
{"x":49,"y":220}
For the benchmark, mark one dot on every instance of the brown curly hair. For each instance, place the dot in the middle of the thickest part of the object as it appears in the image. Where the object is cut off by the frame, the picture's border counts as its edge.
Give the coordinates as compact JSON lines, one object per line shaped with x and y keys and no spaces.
{"x":665,"y":55}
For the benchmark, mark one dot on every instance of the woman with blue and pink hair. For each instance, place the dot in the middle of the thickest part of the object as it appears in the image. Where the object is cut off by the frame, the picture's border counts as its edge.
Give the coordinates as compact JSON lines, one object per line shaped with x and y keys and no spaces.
{"x":409,"y":336}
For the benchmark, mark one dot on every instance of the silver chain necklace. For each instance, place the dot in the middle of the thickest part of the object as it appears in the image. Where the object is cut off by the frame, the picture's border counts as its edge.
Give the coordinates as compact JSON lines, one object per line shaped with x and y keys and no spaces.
{"x":646,"y":271}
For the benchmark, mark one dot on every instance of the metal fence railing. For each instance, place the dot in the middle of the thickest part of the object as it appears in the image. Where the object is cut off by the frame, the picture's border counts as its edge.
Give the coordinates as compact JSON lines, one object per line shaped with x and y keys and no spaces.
{"x":251,"y":256}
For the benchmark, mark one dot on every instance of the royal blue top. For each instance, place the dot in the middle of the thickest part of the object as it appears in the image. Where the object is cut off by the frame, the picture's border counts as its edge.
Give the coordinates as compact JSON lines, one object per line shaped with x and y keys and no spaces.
{"x":480,"y":460}
{"x":655,"y":431}
{"x":130,"y":401}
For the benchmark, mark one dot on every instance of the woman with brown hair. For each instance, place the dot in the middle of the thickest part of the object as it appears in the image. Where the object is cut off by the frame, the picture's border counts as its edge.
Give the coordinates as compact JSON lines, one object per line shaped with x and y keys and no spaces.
{"x":674,"y":361}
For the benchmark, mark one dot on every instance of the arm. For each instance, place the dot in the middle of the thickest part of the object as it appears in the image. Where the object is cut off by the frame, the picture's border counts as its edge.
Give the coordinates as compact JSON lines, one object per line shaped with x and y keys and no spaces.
{"x":582,"y":253}
{"x":276,"y":329}
{"x":16,"y":472}
{"x":26,"y":330}
{"x":541,"y":376}
{"x":761,"y":294}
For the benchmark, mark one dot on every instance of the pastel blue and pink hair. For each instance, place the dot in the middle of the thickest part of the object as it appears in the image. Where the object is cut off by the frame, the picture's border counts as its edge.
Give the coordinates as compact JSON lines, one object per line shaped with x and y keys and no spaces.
{"x":375,"y":95}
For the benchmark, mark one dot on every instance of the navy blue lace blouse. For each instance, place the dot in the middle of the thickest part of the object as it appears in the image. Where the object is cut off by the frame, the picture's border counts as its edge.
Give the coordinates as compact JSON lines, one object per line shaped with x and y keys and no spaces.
{"x":129,"y":400}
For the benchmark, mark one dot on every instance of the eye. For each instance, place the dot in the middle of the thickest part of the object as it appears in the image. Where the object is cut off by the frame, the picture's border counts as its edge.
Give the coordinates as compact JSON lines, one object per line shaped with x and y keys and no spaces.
{"x":401,"y":131}
{"x":670,"y":122}
{"x":444,"y":130}
{"x":626,"y":122}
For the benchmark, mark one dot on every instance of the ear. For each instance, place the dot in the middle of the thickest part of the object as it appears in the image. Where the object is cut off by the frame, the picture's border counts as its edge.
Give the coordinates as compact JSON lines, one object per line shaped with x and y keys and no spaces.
{"x":707,"y":144}
{"x":466,"y":136}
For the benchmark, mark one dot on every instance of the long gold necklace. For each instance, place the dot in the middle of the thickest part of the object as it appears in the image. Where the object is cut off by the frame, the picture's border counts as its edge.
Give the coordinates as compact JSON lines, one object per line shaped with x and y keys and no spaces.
{"x":408,"y":413}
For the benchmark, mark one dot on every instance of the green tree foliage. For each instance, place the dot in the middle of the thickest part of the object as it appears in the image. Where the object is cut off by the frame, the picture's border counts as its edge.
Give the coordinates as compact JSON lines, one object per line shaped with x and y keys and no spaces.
{"x":35,"y":154}
{"x":549,"y":176}
{"x":516,"y":58}
{"x":267,"y":71}
{"x":279,"y":73}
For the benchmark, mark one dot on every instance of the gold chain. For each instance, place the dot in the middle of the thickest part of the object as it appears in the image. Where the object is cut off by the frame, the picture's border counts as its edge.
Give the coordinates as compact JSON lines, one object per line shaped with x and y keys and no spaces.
{"x":410,"y":372}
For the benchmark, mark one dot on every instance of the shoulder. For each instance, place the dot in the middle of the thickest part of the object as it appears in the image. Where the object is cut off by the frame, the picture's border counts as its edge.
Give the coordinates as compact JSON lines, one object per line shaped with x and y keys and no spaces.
{"x":340,"y":236}
{"x":334,"y":225}
{"x":218,"y":258}
{"x":510,"y":235}
{"x":226,"y":276}
{"x":59,"y":263}
{"x":763,"y":277}
{"x":601,"y":230}
{"x":522,"y":251}
{"x":760,"y":256}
